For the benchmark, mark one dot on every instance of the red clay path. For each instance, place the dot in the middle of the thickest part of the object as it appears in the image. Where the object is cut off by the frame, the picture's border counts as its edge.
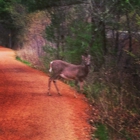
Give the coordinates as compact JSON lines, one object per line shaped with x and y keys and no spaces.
{"x":27,"y":113}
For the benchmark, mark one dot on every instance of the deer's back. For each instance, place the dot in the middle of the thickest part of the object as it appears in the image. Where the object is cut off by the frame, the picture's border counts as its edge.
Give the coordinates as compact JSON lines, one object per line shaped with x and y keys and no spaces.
{"x":59,"y":65}
{"x":68,"y":70}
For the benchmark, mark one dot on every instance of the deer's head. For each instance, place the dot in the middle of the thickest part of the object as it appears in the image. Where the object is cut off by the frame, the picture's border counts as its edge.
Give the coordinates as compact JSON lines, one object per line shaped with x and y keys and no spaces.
{"x":86,"y":60}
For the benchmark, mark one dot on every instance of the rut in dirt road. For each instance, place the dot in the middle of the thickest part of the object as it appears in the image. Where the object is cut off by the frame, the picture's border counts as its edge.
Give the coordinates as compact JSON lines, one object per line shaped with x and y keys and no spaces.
{"x":27,"y":113}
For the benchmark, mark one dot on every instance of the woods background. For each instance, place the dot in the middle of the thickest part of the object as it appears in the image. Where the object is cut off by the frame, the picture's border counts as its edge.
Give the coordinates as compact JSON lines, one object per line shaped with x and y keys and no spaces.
{"x":109,"y":30}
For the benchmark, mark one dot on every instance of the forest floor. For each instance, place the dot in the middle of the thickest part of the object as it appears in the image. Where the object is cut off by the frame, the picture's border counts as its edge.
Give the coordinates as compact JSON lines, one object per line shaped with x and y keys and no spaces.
{"x":27,"y":113}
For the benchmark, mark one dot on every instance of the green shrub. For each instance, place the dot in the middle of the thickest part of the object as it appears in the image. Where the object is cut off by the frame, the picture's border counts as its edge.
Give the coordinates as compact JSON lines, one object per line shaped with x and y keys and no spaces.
{"x":101,"y":133}
{"x":23,"y":61}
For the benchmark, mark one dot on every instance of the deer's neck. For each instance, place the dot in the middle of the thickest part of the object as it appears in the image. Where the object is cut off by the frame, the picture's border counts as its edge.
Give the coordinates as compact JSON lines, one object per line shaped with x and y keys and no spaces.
{"x":86,"y":67}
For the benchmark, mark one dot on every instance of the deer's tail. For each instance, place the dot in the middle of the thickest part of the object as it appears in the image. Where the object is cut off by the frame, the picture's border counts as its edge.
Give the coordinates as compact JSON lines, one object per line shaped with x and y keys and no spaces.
{"x":50,"y":70}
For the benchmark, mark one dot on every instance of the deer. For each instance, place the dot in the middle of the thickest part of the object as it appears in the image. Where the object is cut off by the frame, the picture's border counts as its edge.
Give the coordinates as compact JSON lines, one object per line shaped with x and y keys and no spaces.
{"x":68,"y":71}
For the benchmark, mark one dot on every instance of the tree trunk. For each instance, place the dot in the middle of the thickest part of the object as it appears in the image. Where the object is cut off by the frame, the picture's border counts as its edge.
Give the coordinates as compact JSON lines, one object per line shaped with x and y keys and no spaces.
{"x":103,"y":35}
{"x":129,"y":32}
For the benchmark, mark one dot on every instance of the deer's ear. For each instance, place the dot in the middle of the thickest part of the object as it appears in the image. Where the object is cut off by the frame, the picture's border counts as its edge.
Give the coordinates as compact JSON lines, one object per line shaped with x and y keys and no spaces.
{"x":89,"y":56}
{"x":83,"y":57}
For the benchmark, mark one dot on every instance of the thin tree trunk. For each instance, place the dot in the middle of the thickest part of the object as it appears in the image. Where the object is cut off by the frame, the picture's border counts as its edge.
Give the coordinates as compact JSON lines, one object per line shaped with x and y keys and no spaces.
{"x":10,"y":39}
{"x":92,"y":33}
{"x":58,"y":47}
{"x":103,"y":33}
{"x":129,"y":32}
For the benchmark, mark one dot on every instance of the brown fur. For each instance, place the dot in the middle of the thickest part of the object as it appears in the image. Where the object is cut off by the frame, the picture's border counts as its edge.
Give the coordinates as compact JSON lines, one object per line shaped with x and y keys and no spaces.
{"x":69,"y":71}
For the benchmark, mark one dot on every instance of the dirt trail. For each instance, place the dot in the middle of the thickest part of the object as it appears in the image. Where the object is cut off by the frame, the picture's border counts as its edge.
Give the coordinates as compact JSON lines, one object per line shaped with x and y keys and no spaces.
{"x":27,"y":113}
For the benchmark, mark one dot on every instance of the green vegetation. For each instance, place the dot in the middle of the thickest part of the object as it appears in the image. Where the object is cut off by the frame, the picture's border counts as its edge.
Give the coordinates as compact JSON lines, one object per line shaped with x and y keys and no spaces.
{"x":101,"y":133}
{"x":23,"y":61}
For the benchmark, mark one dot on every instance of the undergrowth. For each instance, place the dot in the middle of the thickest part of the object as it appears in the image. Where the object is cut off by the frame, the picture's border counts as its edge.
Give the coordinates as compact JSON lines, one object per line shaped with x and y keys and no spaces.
{"x":117,"y":106}
{"x":23,"y":61}
{"x":101,"y":133}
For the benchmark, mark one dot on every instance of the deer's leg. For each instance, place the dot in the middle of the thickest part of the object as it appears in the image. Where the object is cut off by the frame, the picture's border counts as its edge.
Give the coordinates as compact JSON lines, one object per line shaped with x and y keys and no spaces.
{"x":49,"y":85}
{"x":56,"y":87}
{"x":81,"y":84}
{"x":76,"y":84}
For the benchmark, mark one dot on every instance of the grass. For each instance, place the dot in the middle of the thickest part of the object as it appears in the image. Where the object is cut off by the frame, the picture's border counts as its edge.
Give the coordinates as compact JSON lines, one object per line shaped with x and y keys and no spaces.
{"x":101,"y":133}
{"x":23,"y":61}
